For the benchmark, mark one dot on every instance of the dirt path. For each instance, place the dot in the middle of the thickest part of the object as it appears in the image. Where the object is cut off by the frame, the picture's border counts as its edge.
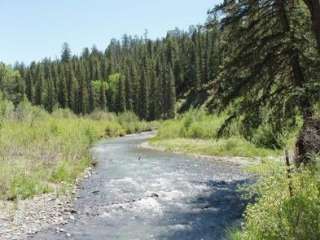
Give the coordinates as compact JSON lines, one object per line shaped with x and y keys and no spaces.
{"x":143,"y":194}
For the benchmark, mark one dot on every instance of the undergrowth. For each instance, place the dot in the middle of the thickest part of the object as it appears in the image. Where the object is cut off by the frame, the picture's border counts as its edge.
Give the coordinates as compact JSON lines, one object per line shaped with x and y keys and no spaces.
{"x":280,"y":213}
{"x":42,"y":152}
{"x":197,"y":132}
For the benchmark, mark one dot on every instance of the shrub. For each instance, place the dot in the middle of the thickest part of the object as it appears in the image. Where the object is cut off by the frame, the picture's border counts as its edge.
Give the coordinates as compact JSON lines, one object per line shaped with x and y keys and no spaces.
{"x":196,"y":124}
{"x":63,"y":113}
{"x":38,"y":149}
{"x":100,"y":115}
{"x":276,"y":215}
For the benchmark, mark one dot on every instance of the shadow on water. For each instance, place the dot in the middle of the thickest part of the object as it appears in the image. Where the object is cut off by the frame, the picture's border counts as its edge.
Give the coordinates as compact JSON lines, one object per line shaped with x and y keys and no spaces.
{"x":209,"y":216}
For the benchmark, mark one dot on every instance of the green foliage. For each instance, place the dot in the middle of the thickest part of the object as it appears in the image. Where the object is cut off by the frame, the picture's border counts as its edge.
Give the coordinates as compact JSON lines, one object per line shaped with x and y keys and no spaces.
{"x":66,"y":171}
{"x":23,"y":187}
{"x":42,"y":152}
{"x":197,"y":132}
{"x":234,"y":146}
{"x":193,"y":124}
{"x":277,"y":215}
{"x":6,"y":108}
{"x":100,"y":115}
{"x":136,"y":74}
{"x":266,"y":136}
{"x":11,"y":84}
{"x":268,"y":78}
{"x":131,"y":123}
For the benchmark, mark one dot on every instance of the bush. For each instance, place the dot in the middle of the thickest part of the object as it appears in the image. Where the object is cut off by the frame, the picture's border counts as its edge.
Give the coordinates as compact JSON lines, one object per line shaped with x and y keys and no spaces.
{"x":23,"y":187}
{"x":132,"y":124}
{"x":63,"y":113}
{"x":100,"y":115}
{"x":38,"y":149}
{"x":197,"y":132}
{"x":196,"y":124}
{"x":276,"y":215}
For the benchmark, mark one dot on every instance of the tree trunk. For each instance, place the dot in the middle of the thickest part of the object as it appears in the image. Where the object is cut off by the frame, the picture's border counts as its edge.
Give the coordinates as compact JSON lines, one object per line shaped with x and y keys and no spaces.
{"x":308,"y":142}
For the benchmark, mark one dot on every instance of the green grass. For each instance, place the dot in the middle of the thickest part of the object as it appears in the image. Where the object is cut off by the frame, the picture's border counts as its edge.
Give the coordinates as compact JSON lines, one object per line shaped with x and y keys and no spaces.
{"x":41,"y":152}
{"x":195,"y":132}
{"x":234,"y":146}
{"x":276,"y":215}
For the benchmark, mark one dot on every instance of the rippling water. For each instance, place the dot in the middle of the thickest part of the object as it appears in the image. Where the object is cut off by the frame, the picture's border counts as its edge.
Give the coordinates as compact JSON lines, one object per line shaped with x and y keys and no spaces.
{"x":143,"y":194}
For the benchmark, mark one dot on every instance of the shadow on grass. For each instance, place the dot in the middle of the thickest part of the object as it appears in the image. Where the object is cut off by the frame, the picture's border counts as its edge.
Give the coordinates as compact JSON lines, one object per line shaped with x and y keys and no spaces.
{"x":209,"y":216}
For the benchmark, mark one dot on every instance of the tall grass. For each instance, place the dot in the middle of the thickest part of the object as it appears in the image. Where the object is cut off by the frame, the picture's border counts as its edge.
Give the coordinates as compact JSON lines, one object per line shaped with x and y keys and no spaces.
{"x":193,"y":124}
{"x":197,"y":132}
{"x":278,"y":215}
{"x":41,"y":152}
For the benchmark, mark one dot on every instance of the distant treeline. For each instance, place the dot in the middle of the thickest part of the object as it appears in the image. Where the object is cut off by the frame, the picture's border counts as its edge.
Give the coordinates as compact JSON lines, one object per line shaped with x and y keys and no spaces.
{"x":135,"y":74}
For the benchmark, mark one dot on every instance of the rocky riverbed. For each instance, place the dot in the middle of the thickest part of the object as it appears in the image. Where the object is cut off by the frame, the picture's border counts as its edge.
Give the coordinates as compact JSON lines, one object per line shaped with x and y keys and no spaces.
{"x":137,"y":193}
{"x":24,"y":218}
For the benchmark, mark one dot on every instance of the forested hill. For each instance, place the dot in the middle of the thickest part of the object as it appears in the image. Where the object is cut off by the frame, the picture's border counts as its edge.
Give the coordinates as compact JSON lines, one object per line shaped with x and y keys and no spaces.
{"x":135,"y":74}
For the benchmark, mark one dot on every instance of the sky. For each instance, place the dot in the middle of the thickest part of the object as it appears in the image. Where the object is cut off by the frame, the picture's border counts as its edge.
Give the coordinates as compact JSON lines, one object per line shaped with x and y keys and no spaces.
{"x":34,"y":29}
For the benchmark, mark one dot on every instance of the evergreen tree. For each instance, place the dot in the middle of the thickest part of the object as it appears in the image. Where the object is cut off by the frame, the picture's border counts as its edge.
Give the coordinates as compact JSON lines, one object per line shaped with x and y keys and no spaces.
{"x":62,"y":93}
{"x":39,"y":86}
{"x":73,"y":82}
{"x":66,"y":53}
{"x":102,"y":96}
{"x":144,"y":96}
{"x":263,"y":69}
{"x":171,"y":95}
{"x":121,"y":95}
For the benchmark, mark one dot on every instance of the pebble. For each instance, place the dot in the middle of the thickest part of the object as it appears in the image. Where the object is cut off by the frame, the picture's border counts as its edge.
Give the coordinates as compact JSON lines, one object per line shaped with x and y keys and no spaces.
{"x":20,"y":220}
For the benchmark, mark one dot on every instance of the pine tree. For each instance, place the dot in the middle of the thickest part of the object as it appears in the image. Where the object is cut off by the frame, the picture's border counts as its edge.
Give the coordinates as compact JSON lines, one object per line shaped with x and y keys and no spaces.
{"x":102,"y":96}
{"x":197,"y":60}
{"x":265,"y":68}
{"x":66,"y":53}
{"x":91,"y":105}
{"x":29,"y":85}
{"x":144,"y":96}
{"x":39,"y":86}
{"x":128,"y":92}
{"x":62,"y":86}
{"x":171,"y":95}
{"x":49,"y":103}
{"x":73,"y":82}
{"x":121,"y":95}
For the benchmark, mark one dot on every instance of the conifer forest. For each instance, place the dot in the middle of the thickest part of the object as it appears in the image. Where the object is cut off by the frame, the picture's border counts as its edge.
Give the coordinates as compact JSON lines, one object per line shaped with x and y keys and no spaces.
{"x":207,"y":132}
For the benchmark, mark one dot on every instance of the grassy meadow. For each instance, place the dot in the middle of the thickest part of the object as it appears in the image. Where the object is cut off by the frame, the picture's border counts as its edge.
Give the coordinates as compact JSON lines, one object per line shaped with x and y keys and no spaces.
{"x":42,"y":152}
{"x":196,"y":131}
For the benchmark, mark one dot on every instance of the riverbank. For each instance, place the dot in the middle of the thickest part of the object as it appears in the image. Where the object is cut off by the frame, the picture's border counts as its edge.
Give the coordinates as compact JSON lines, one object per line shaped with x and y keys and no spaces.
{"x":24,"y":218}
{"x":139,"y":193}
{"x":42,"y":157}
{"x":197,"y":132}
{"x":241,"y":161}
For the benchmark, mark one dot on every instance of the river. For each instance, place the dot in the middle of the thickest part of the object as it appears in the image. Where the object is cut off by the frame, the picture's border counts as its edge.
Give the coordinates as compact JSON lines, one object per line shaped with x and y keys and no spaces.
{"x":143,"y":194}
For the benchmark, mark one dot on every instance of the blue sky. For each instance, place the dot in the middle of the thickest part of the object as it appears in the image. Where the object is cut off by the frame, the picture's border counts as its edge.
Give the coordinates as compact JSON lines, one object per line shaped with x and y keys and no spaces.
{"x":34,"y":29}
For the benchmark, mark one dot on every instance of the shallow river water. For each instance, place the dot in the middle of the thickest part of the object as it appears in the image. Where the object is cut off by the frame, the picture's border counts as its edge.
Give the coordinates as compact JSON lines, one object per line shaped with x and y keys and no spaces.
{"x":140,"y":194}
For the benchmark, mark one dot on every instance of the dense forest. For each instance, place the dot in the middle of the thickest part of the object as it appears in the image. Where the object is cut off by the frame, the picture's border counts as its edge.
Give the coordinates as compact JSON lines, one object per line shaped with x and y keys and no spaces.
{"x":245,"y":83}
{"x":258,"y":59}
{"x":135,"y":74}
{"x":261,"y":58}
